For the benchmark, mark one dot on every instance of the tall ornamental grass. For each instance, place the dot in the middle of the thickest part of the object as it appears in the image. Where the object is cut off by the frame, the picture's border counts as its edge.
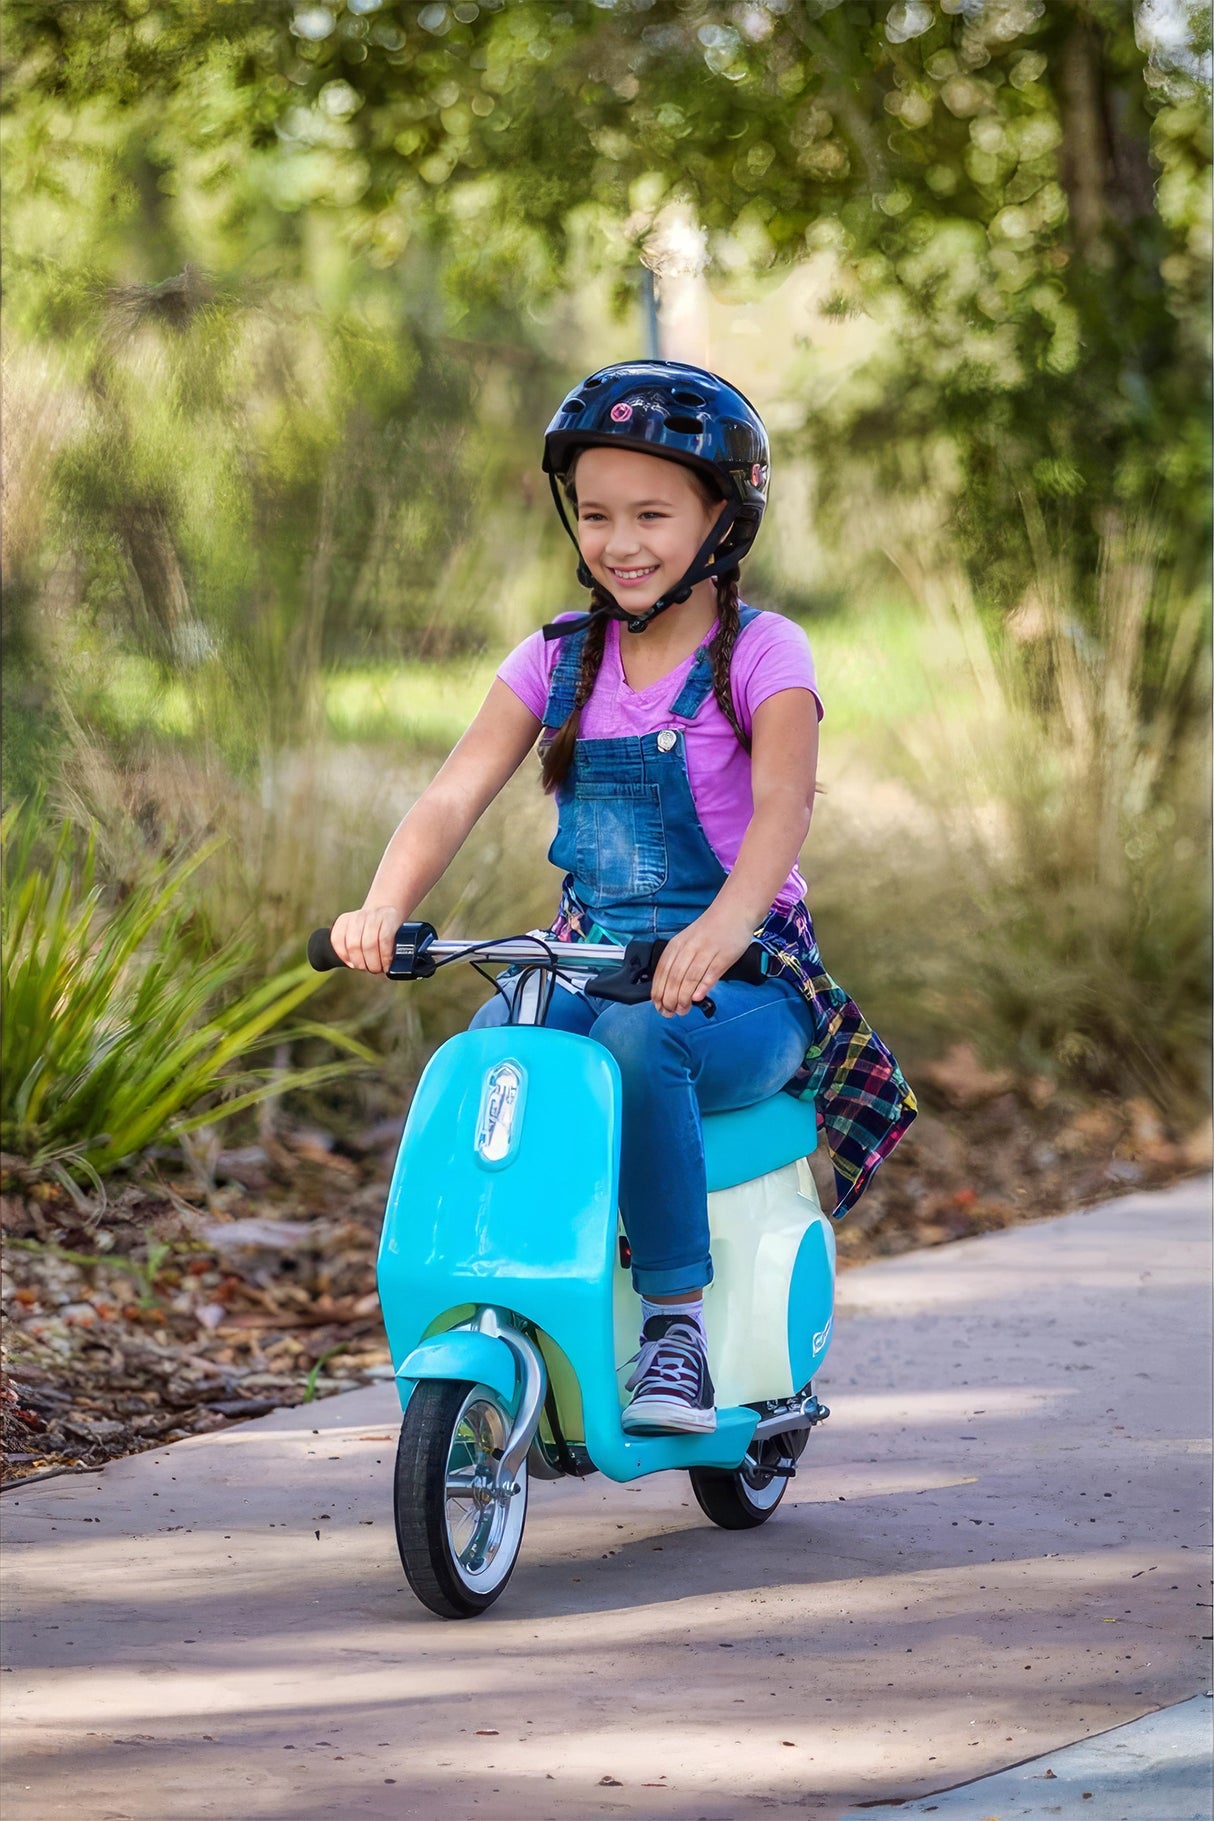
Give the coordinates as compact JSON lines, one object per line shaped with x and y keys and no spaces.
{"x":1045,"y":890}
{"x":119,"y":1031}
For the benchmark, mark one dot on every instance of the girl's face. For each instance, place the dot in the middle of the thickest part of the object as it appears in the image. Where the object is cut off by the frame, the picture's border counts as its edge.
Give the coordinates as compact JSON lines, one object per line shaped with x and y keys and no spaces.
{"x":640,"y":522}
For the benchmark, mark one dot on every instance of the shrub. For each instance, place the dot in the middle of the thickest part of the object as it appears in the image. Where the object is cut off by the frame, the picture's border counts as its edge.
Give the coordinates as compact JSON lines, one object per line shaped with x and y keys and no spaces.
{"x":119,"y":1033}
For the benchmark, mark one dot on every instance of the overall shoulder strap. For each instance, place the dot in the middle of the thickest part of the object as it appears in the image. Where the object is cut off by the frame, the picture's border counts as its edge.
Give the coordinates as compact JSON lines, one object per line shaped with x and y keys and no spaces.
{"x":559,"y":705}
{"x":698,"y":687}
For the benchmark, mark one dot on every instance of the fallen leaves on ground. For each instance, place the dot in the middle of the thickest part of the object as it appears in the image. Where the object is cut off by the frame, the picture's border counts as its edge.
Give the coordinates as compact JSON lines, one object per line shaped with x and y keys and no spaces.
{"x":166,"y":1312}
{"x":1007,"y":1155}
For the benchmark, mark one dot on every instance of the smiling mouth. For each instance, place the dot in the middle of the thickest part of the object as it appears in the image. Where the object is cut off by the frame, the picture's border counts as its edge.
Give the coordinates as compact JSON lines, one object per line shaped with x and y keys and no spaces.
{"x":630,"y":576}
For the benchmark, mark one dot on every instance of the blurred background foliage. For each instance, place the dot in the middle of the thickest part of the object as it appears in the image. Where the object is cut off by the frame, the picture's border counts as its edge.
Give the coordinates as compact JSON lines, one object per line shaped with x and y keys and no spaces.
{"x":291,"y":290}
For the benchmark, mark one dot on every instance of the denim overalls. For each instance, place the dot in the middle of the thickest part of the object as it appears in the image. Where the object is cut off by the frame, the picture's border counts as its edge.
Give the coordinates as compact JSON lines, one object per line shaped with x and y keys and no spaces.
{"x":628,"y":837}
{"x":639,"y":863}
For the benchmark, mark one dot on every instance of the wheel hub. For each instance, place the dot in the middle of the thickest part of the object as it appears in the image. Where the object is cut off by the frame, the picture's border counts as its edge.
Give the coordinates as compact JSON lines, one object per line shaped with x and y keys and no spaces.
{"x":484,"y":1490}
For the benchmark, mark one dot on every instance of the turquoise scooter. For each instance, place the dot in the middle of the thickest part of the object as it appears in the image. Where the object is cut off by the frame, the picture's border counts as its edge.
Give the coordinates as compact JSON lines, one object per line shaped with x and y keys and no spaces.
{"x":506,"y":1294}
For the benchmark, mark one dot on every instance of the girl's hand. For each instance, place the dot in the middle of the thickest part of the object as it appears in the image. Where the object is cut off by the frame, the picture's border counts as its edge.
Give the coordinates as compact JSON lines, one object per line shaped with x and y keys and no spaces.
{"x":695,"y":959}
{"x":364,"y":938}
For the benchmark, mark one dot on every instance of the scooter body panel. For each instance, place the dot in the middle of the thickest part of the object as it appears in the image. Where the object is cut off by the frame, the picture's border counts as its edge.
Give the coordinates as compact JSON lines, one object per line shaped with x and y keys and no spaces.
{"x":768,"y":1309}
{"x":811,"y":1298}
{"x":755,"y":1140}
{"x":463,"y":1354}
{"x":773,"y":1284}
{"x":505,"y":1194}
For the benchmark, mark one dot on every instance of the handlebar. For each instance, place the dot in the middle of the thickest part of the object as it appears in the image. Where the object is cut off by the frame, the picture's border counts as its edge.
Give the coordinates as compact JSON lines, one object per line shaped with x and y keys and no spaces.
{"x":498,"y":951}
{"x":625,"y":975}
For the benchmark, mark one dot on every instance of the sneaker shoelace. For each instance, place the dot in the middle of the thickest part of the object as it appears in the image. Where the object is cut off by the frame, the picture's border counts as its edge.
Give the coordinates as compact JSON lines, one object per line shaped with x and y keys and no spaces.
{"x":671,"y":1362}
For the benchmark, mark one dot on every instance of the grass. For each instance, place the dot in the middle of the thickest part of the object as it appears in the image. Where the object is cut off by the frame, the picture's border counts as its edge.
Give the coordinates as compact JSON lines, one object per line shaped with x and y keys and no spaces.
{"x":427,"y":706}
{"x":1042,"y":882}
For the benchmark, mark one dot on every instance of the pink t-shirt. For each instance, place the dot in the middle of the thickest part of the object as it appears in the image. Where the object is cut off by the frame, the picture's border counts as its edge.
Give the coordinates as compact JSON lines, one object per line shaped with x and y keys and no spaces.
{"x":771,"y":654}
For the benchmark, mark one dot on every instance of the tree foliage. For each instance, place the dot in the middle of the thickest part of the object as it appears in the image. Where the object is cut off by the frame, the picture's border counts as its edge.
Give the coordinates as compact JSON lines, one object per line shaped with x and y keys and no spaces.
{"x":1017,"y":189}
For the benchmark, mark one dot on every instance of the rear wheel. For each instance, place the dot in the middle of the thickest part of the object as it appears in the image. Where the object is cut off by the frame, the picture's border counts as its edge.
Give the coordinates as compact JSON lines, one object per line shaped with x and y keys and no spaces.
{"x":744,"y":1497}
{"x":457,"y":1528}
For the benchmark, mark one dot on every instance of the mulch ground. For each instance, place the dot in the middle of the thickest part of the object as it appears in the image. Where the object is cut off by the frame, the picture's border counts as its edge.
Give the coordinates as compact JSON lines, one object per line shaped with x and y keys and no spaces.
{"x":188,"y":1300}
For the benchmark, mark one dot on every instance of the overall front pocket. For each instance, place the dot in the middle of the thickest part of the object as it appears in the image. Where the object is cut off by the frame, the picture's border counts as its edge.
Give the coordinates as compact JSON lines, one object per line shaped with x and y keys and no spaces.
{"x":621,"y":843}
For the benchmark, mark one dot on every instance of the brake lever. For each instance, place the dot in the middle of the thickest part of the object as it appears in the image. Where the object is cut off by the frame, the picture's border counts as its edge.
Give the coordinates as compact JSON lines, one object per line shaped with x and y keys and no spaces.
{"x":632,"y":982}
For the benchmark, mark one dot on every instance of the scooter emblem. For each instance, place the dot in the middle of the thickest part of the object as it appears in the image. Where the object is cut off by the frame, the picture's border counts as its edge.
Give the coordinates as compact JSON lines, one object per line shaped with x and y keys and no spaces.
{"x":499,"y":1122}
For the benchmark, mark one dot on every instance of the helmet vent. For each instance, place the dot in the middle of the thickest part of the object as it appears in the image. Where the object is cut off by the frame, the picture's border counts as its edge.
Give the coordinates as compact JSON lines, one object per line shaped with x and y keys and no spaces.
{"x":685,"y":426}
{"x":687,"y":398}
{"x":587,"y":383}
{"x":574,"y":405}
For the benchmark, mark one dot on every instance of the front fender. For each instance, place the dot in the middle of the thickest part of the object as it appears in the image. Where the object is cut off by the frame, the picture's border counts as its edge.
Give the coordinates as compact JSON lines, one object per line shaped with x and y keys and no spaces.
{"x":463,"y":1354}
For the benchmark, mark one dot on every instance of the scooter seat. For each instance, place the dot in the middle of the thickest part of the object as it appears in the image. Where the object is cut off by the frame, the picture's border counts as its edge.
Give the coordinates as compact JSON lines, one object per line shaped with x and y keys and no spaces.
{"x":754,"y":1140}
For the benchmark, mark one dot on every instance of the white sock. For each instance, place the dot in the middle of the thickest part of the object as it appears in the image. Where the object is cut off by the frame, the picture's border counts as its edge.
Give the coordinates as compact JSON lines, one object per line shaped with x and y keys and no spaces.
{"x":690,"y":1312}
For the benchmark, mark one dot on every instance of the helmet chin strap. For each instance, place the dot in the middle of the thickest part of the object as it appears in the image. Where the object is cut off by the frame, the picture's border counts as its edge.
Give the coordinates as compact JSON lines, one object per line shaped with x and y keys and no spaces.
{"x":703,"y":568}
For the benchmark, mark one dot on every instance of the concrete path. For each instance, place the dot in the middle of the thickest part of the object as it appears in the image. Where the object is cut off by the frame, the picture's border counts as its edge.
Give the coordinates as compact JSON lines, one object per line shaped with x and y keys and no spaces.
{"x":1155,"y":1769}
{"x":996,"y":1547}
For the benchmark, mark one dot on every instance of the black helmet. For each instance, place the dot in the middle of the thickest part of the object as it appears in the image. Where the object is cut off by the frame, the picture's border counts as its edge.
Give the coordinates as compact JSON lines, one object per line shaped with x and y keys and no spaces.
{"x":682,"y":413}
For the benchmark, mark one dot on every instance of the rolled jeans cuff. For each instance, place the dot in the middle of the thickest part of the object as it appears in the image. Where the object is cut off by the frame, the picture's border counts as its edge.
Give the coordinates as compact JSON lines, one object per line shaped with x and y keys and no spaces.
{"x":672,"y":1282}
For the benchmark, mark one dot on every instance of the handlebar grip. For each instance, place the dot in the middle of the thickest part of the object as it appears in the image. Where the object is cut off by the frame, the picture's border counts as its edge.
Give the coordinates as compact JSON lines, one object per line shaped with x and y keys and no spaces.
{"x":321,"y":953}
{"x":631,"y":983}
{"x":750,"y":967}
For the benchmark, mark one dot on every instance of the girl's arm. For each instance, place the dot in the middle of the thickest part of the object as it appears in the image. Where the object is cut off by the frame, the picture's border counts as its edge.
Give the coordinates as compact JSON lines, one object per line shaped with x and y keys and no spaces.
{"x":437,"y":826}
{"x":784,"y":763}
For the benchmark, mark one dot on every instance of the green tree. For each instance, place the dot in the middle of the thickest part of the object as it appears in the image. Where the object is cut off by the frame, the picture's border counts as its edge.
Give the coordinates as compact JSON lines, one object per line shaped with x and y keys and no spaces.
{"x":1018,"y":189}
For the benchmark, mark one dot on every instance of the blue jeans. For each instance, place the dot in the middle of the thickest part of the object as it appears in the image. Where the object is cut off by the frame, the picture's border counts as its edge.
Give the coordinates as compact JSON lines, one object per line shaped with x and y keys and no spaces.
{"x":672,"y":1070}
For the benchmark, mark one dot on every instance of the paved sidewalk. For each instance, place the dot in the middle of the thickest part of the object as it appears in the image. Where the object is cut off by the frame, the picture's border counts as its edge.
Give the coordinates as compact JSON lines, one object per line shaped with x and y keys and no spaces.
{"x":1155,"y":1769}
{"x":996,"y":1548}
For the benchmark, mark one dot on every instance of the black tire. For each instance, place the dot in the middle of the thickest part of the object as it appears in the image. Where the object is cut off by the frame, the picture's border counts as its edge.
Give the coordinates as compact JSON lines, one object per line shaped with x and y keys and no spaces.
{"x":742,"y":1498}
{"x":458,"y":1549}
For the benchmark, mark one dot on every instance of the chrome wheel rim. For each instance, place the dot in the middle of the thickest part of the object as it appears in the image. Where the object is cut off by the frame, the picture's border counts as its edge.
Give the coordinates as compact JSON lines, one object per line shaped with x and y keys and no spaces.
{"x":483,"y":1519}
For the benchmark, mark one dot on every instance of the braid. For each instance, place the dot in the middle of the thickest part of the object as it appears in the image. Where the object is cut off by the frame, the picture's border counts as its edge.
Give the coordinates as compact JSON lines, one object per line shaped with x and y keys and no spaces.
{"x":722,"y":653}
{"x":556,"y":753}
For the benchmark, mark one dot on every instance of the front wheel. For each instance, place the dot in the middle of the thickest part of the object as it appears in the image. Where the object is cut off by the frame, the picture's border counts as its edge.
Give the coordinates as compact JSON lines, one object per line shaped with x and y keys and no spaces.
{"x":743,"y":1497}
{"x":458,"y":1528}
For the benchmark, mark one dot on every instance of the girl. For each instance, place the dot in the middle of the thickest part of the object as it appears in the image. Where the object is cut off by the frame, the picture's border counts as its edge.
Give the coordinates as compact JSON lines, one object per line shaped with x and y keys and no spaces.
{"x":678,"y":730}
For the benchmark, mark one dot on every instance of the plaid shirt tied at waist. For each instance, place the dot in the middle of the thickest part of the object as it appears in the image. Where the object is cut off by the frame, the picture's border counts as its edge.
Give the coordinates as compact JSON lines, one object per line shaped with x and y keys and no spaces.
{"x":864,"y":1102}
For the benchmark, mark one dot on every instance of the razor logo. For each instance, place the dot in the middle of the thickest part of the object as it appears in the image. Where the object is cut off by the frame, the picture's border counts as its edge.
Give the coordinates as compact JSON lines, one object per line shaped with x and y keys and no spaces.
{"x":620,"y":413}
{"x":497,"y":1125}
{"x":823,"y":1335}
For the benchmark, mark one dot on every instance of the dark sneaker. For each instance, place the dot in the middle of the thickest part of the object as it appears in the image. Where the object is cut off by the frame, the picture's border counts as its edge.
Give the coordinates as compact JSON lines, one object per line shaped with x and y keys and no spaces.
{"x":672,"y":1388}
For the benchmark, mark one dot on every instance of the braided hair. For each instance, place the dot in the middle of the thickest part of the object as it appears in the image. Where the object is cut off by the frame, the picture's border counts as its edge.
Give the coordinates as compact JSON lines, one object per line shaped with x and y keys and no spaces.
{"x":556,"y":751}
{"x":722,"y":653}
